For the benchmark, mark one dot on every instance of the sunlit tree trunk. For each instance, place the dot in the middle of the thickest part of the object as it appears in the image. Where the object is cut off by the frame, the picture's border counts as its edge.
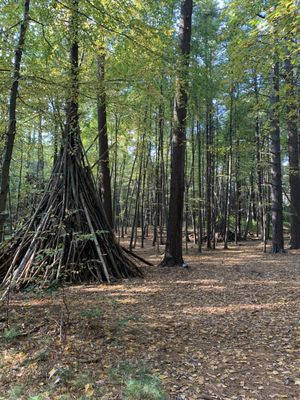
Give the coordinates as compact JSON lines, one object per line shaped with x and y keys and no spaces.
{"x":229,"y":171}
{"x":276,"y":175}
{"x":173,"y":250}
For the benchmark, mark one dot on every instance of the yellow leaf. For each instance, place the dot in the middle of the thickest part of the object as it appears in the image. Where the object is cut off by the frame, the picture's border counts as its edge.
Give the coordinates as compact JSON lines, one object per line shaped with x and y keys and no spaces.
{"x":88,"y":389}
{"x":162,"y":377}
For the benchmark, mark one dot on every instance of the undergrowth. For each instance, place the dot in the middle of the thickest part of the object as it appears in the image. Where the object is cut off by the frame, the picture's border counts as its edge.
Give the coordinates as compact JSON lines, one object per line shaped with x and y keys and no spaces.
{"x":138,"y":382}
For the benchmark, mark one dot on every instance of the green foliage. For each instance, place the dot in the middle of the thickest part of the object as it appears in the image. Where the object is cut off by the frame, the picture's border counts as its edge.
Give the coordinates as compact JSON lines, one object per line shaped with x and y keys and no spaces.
{"x":36,"y":397}
{"x":16,"y":391}
{"x":138,"y":381}
{"x":80,"y":381}
{"x":92,"y":313}
{"x":147,"y":388}
{"x":127,"y":320}
{"x":121,"y":372}
{"x":10,"y":334}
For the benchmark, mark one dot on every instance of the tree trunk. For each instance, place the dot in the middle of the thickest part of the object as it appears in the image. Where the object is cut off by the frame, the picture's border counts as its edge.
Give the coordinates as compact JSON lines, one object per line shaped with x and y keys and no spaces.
{"x":116,"y":190}
{"x":72,"y":133}
{"x":11,"y":133}
{"x":258,"y":161}
{"x":105,"y":182}
{"x":200,"y":222}
{"x":40,"y":161}
{"x":293,"y":150}
{"x":194,"y":219}
{"x":141,"y":156}
{"x":276,"y":176}
{"x":209,"y":175}
{"x":144,"y":179}
{"x":229,"y":172}
{"x":173,"y":250}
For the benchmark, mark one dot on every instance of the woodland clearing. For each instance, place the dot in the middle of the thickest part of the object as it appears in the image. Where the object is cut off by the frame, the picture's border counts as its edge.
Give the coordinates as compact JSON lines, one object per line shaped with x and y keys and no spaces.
{"x":225,"y":328}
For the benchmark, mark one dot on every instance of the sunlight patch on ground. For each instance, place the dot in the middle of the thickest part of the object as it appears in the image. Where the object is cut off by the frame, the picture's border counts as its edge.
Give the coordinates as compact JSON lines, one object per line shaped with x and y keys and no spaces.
{"x":235,"y":308}
{"x":122,"y":289}
{"x":128,"y":300}
{"x":294,"y":286}
{"x":199,"y":281}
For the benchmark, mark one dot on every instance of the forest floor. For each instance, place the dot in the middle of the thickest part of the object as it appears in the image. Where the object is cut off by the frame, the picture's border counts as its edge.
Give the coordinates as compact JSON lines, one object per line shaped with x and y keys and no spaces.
{"x":228,"y":327}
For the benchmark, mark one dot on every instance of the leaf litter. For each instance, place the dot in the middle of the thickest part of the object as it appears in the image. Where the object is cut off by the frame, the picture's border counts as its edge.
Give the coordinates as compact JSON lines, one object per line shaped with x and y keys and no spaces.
{"x":228,"y":327}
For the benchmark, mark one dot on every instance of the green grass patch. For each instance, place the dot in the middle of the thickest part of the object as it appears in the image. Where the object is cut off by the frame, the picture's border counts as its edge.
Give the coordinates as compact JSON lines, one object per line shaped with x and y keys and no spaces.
{"x":137,"y":381}
{"x":10,"y":334}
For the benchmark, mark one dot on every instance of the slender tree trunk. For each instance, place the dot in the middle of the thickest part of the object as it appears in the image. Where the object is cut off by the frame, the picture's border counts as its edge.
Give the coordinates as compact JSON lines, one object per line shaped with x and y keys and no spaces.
{"x":276,"y":180}
{"x":115,"y":217}
{"x":200,"y":227}
{"x":58,"y":128}
{"x":258,"y":161}
{"x":209,"y":173}
{"x":139,"y":185}
{"x":163,"y":171}
{"x":125,"y":216}
{"x":158,"y":177}
{"x":120,"y":195}
{"x":187,"y":200}
{"x":228,"y":201}
{"x":19,"y":184}
{"x":213,"y":181}
{"x":249,"y":210}
{"x":229,"y":172}
{"x":173,"y":250}
{"x":293,"y":150}
{"x":40,"y":161}
{"x":105,"y":182}
{"x":238,"y":193}
{"x":157,"y":190}
{"x":162,"y":196}
{"x":144,"y":179}
{"x":11,"y":133}
{"x":193,"y":184}
{"x":238,"y":217}
{"x":269,"y":203}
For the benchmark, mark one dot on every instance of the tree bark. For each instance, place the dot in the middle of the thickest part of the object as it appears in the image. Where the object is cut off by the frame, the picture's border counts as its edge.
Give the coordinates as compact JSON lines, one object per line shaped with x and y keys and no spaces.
{"x":173,"y":250}
{"x":293,"y":150}
{"x":209,"y":175}
{"x":229,"y":171}
{"x":11,"y":133}
{"x":276,"y":175}
{"x":72,"y":133}
{"x":200,"y":220}
{"x":141,"y":156}
{"x":105,"y":181}
{"x":258,"y":161}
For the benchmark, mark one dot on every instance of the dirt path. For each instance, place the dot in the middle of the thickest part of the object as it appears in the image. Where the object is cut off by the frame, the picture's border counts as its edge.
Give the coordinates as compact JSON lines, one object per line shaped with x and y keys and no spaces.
{"x":226,"y":328}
